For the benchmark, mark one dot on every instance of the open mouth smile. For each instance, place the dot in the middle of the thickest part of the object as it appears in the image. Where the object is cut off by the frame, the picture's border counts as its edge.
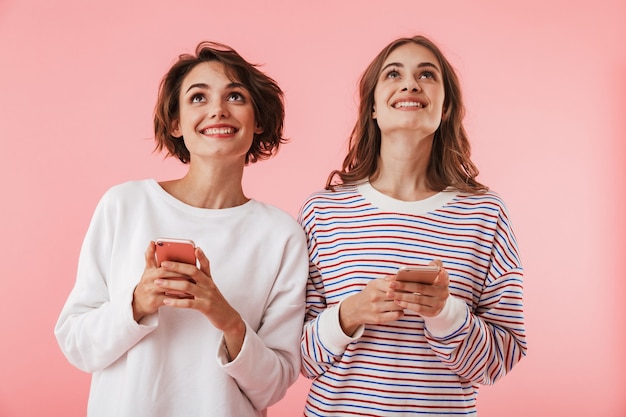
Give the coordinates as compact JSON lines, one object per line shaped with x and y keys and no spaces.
{"x":408,"y":104}
{"x":219,"y":131}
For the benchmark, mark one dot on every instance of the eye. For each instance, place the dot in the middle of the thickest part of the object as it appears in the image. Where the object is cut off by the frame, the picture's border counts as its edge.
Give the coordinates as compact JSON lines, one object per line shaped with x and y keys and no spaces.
{"x":392,"y":73}
{"x":429,"y":75}
{"x":236,"y":96}
{"x":198,"y":98}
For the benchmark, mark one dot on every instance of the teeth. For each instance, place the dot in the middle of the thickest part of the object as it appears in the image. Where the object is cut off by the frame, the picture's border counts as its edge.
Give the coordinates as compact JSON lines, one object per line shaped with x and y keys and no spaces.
{"x":407,"y":104}
{"x":219,"y":131}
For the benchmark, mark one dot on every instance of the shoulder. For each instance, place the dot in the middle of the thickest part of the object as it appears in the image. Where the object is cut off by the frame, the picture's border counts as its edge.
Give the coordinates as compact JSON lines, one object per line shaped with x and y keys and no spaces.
{"x":488,"y":200}
{"x":276,"y":227}
{"x":273,"y":217}
{"x":341,"y":196}
{"x":126,"y":192}
{"x":129,"y":188}
{"x":488,"y":206}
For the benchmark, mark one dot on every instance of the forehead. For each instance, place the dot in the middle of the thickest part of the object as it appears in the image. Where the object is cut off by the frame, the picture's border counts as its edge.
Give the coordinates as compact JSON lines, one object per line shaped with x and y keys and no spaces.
{"x":411,"y":54}
{"x":210,"y":73}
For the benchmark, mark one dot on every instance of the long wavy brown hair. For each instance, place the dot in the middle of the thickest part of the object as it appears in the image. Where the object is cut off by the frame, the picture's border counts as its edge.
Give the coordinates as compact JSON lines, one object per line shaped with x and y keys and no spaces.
{"x":450,"y":164}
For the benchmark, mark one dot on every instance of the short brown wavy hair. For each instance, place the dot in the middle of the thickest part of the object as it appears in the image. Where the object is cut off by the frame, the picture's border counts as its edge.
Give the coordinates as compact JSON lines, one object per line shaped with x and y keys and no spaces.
{"x":267,"y":101}
{"x":450,"y":163}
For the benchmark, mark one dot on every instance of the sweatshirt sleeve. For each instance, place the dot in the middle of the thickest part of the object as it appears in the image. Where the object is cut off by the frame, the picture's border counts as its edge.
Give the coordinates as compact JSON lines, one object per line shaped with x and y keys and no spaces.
{"x":482,"y":343}
{"x":96,"y":325}
{"x":323,"y":341}
{"x":269,"y":360}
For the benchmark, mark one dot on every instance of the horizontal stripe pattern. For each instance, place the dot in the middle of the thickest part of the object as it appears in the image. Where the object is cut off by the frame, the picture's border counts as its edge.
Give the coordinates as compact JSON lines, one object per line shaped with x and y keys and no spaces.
{"x":399,"y":368}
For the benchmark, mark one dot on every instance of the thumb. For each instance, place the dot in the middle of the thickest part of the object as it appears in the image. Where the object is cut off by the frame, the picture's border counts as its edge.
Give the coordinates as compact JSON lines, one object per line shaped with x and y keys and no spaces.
{"x":150,"y":256}
{"x":205,"y":265}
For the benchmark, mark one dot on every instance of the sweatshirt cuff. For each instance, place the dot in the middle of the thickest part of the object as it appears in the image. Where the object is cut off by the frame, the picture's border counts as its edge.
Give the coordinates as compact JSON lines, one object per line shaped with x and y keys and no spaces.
{"x":449,"y":320}
{"x":331,"y":334}
{"x":223,"y":357}
{"x":149,"y":321}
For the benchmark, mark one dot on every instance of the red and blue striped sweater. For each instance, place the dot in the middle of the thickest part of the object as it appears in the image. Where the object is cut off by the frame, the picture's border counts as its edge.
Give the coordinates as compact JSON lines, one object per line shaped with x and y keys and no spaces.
{"x":412,"y":366}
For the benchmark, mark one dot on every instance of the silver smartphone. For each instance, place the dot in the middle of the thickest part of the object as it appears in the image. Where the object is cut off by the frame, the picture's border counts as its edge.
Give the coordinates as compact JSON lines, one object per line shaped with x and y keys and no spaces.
{"x":424,"y":274}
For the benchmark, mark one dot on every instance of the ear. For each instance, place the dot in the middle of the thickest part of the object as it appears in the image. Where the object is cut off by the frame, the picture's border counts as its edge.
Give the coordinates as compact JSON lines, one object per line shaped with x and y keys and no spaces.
{"x":374,"y":112}
{"x":444,"y":114}
{"x":175,"y":129}
{"x":258,"y":129}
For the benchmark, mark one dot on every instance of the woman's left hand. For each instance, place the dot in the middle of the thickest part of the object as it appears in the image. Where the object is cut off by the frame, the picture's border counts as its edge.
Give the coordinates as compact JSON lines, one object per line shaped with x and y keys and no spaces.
{"x":207,"y":299}
{"x":425,"y":299}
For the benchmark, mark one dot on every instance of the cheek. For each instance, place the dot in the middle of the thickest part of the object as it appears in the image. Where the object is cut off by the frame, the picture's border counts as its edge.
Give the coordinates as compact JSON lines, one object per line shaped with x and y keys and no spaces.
{"x":438,"y":102}
{"x":190,"y":119}
{"x":248,"y":117}
{"x":442,"y":96}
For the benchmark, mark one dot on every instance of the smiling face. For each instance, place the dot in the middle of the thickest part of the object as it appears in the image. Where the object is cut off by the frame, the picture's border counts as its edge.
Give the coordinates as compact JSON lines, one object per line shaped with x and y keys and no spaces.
{"x":409,"y":94}
{"x":216,"y":117}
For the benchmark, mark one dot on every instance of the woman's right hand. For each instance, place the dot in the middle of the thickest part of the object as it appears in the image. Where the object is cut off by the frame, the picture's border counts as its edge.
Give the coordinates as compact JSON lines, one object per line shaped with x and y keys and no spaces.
{"x":148,"y":297}
{"x":371,"y":305}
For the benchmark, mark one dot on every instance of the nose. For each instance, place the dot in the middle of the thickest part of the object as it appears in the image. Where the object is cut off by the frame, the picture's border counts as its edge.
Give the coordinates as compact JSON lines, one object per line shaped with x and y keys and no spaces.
{"x":218,"y":110}
{"x":411,"y":84}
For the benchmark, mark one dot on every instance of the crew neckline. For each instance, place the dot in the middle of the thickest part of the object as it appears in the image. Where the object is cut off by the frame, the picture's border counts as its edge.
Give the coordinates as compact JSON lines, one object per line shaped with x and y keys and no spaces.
{"x":173,"y":201}
{"x":387,"y":203}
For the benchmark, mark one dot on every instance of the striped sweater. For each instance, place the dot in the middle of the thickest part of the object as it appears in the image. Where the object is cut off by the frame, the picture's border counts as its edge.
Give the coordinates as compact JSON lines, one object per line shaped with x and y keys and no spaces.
{"x":412,"y":366}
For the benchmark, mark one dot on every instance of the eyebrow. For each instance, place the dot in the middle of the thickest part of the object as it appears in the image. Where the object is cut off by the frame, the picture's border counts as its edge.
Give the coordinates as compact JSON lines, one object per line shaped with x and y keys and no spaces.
{"x":421,"y":65}
{"x":206,"y":86}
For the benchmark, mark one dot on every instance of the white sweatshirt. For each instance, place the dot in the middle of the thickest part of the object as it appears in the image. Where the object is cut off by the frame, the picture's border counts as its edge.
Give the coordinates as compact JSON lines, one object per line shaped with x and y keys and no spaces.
{"x":173,"y":363}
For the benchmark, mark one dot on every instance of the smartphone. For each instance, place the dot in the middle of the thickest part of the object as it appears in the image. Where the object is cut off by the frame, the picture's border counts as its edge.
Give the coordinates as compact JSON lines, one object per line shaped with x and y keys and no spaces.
{"x":176,"y":250}
{"x":424,"y":274}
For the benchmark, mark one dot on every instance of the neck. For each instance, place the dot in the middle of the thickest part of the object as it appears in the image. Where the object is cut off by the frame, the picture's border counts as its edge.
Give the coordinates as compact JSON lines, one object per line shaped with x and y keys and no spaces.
{"x":402,"y":167}
{"x":209,"y":187}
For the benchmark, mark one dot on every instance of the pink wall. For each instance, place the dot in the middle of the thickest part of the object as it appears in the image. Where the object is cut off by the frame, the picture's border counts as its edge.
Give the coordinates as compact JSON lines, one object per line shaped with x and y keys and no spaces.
{"x":545,"y":85}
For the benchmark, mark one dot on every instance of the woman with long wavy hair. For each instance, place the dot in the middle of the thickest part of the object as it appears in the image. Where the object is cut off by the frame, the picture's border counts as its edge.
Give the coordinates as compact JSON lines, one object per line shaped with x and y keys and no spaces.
{"x":380,"y":343}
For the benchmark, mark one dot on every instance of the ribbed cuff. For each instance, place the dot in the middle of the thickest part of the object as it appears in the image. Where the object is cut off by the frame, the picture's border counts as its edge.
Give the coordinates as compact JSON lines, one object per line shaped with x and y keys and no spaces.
{"x":332,"y":335}
{"x":449,"y":320}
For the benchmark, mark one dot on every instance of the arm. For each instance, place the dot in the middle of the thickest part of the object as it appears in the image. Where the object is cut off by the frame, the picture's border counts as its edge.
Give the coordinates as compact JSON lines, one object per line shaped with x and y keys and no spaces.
{"x":328,"y":333}
{"x":96,"y":325}
{"x":482,"y":344}
{"x":264,"y":361}
{"x":319,"y":351}
{"x":269,"y":359}
{"x":323,"y":340}
{"x":328,"y":330}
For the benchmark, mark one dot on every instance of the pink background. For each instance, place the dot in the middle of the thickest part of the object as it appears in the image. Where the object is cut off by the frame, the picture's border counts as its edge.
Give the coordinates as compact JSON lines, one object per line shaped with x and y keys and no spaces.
{"x":545,"y":88}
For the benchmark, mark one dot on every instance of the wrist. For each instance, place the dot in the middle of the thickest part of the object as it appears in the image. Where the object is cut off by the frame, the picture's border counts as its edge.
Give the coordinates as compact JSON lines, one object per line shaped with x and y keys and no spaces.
{"x":236,"y":330}
{"x":234,"y":338}
{"x":138,"y":312}
{"x":349,"y":324}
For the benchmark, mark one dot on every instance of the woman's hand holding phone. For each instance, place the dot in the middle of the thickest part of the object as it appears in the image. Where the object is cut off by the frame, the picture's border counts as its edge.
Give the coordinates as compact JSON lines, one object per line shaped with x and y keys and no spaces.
{"x":422,"y":289}
{"x":371,"y":305}
{"x":147,"y":296}
{"x":205,"y":297}
{"x":162,"y":277}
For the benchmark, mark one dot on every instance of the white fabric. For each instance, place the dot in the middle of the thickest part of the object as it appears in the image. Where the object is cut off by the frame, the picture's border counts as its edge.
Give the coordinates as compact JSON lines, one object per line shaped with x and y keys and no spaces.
{"x":173,"y":363}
